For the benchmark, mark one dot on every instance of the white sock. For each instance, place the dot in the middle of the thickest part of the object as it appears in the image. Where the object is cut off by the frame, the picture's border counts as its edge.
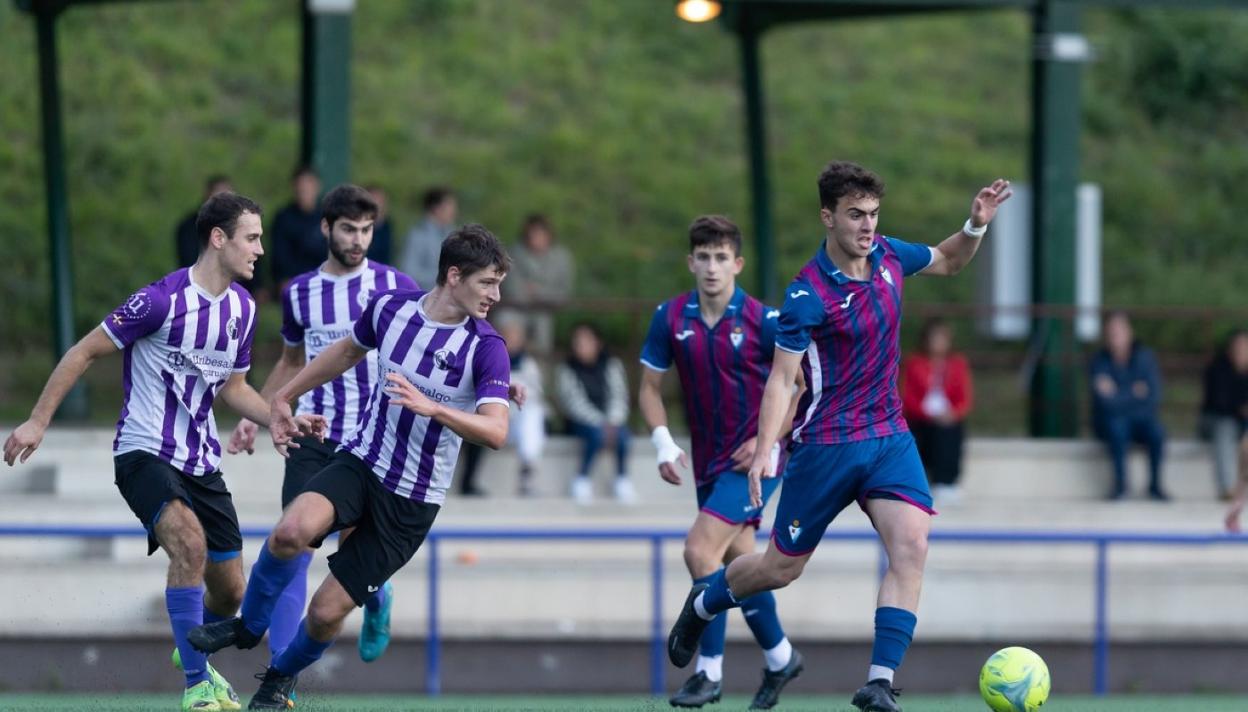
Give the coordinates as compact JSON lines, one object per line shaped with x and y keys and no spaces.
{"x":878,"y":672}
{"x":779,"y":656}
{"x":712,"y":665}
{"x":700,"y":609}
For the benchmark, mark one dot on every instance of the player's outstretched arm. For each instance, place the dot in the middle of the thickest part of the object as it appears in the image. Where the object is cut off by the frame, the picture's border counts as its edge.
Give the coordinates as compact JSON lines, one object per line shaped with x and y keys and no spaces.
{"x":650,"y":400}
{"x":956,"y":251}
{"x":777,"y":403}
{"x":487,"y":426}
{"x":25,"y":439}
{"x":288,"y":364}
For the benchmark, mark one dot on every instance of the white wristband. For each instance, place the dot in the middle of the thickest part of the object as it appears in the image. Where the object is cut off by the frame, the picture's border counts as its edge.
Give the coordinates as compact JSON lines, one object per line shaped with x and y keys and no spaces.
{"x":972,"y":231}
{"x":668,"y":450}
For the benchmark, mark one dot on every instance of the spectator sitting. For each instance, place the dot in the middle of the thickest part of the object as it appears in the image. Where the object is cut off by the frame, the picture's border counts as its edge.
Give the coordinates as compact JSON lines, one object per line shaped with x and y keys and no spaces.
{"x":593,"y":393}
{"x":540,"y":280}
{"x":1126,"y":391}
{"x":1224,"y":410}
{"x":380,"y":249}
{"x":936,"y":398}
{"x":424,"y":240}
{"x":298,"y":244}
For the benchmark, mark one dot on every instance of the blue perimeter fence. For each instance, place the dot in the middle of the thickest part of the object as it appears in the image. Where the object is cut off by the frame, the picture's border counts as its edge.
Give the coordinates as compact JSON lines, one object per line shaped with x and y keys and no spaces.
{"x":1101,"y":541}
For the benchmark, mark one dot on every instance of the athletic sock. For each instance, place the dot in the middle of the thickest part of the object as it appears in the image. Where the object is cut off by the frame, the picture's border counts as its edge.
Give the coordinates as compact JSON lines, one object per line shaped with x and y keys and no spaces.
{"x":712,"y":643}
{"x":288,"y":610}
{"x":716,"y":598}
{"x":209,"y":616}
{"x":778,"y":658}
{"x":894,"y":629}
{"x":186,"y":610}
{"x":302,"y":652}
{"x":377,"y":600}
{"x":760,"y":615}
{"x":269,"y":577}
{"x":712,"y":665}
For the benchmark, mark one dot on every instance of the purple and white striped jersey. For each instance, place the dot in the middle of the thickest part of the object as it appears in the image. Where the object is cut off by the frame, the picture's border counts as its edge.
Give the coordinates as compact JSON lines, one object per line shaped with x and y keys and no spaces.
{"x":463,"y":365}
{"x":847,"y":330}
{"x":180,"y":345}
{"x":318,"y":309}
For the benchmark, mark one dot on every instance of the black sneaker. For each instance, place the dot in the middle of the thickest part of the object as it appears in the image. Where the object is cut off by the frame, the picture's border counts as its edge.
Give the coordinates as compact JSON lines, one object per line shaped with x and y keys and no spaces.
{"x":774,"y":681}
{"x":1158,"y":495}
{"x":877,"y":696}
{"x":682,"y":642}
{"x":697,"y":691}
{"x":276,"y":691}
{"x":211,"y":637}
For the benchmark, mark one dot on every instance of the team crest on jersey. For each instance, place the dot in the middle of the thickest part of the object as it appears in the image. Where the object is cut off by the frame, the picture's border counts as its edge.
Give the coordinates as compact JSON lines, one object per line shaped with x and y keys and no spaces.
{"x":795,"y":530}
{"x":176,"y":360}
{"x":737,"y":337}
{"x":231,"y":327}
{"x":138,"y":305}
{"x":887,"y":274}
{"x":444,"y":359}
{"x":362,"y":298}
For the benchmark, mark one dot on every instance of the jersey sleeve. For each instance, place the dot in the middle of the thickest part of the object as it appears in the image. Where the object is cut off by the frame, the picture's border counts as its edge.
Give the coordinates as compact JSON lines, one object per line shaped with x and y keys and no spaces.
{"x":767,"y":331}
{"x":364,"y":332}
{"x":292,"y":330}
{"x":491,"y":372}
{"x":914,"y":257}
{"x":656,"y":353}
{"x":802,"y":311}
{"x":141,"y":314}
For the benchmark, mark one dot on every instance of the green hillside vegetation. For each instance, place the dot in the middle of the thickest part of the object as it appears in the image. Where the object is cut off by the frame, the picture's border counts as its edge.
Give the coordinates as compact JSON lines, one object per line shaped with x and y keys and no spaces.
{"x":621,"y":123}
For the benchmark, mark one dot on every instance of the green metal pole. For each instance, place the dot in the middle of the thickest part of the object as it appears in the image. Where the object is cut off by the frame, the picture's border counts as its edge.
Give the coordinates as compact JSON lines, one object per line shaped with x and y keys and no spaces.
{"x":756,"y":140}
{"x":1059,"y":51}
{"x":326,"y":84}
{"x":74,"y":406}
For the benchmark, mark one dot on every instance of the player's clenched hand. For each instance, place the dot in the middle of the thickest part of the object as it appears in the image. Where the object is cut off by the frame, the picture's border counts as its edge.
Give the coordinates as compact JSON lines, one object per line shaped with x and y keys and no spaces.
{"x":518,"y":393}
{"x":743,"y":456}
{"x":282,"y":427}
{"x":23,"y":442}
{"x":669,"y":453}
{"x":403,"y":393}
{"x":243,"y":438}
{"x":313,"y":426}
{"x":984,"y":206}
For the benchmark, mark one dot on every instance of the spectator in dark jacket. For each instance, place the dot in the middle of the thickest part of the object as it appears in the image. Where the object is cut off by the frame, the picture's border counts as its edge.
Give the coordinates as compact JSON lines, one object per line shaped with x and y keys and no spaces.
{"x":1126,"y":392}
{"x":1224,"y":409}
{"x":298,"y":245}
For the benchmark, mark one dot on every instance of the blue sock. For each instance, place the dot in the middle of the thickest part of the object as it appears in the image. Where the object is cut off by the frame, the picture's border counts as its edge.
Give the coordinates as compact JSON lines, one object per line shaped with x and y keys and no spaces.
{"x":289,"y":608}
{"x":186,"y":610}
{"x":377,"y":600}
{"x":269,"y":577}
{"x":712,"y":642}
{"x":718,"y":598}
{"x":894,"y":629}
{"x":302,"y":652}
{"x":760,"y":616}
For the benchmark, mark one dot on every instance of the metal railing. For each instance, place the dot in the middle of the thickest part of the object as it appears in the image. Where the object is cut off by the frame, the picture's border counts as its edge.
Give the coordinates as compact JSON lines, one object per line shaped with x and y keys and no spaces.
{"x":1100,"y":540}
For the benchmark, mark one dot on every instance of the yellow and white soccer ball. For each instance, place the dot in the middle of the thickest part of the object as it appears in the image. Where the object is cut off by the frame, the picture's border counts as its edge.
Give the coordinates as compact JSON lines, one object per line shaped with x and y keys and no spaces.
{"x":1014,"y":680}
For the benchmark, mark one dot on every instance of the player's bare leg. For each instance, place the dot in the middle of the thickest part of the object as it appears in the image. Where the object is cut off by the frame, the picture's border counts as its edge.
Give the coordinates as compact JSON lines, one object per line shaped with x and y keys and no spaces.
{"x":181,"y":536}
{"x":706,"y":552}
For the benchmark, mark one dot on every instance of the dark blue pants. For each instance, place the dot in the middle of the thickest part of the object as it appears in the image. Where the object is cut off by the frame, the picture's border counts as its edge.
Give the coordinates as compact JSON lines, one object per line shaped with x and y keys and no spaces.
{"x":1121,"y":432}
{"x":592,"y":438}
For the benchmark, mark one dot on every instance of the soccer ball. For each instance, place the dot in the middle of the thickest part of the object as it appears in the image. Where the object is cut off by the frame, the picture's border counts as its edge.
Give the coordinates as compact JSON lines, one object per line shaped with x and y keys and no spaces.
{"x":1014,"y":680}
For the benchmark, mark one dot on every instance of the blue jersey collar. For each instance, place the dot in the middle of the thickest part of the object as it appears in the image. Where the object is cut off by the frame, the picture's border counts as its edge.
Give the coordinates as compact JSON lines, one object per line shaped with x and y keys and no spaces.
{"x":831,"y":270}
{"x":734,"y":304}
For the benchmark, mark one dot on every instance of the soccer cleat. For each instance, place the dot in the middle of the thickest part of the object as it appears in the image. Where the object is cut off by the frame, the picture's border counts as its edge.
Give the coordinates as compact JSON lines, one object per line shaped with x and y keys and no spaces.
{"x":226,"y":697}
{"x":277,"y":691}
{"x":211,"y":637}
{"x":682,"y":642}
{"x":877,"y":696}
{"x":774,"y":681}
{"x":375,"y":634}
{"x":697,"y":691}
{"x":200,"y":698}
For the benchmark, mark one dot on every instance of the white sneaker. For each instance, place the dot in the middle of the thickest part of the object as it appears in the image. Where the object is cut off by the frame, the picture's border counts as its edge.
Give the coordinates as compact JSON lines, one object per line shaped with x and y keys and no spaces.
{"x":625,"y":493}
{"x":582,"y":490}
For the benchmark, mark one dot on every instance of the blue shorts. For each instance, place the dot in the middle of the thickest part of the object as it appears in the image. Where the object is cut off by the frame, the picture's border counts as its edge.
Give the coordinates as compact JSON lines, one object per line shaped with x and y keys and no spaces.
{"x":822,"y":480}
{"x":727,"y":497}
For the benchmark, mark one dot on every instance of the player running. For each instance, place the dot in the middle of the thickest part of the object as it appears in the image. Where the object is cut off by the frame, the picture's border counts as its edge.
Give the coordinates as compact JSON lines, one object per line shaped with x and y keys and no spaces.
{"x":721,"y":341}
{"x":319,"y":308}
{"x":839,"y":327}
{"x":443,"y":375}
{"x":186,"y":341}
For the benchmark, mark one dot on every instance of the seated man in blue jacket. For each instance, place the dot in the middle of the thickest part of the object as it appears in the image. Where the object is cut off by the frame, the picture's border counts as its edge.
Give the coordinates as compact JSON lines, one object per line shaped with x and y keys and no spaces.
{"x":1126,"y":390}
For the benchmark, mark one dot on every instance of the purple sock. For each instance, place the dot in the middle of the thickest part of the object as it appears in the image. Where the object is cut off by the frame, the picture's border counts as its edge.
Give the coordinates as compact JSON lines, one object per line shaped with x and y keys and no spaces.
{"x":302,"y":652}
{"x":269,"y":577}
{"x":289,"y":609}
{"x":186,"y":610}
{"x":377,"y":600}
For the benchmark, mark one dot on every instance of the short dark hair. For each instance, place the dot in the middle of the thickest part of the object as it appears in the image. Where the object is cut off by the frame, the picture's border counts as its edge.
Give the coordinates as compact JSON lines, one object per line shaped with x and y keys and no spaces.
{"x":304,"y":169}
{"x":535,"y":221}
{"x":348,"y":201}
{"x":222,"y":210}
{"x":435,"y":196}
{"x":713,"y":231}
{"x":841,"y":178}
{"x":930,"y":327}
{"x":471,"y":249}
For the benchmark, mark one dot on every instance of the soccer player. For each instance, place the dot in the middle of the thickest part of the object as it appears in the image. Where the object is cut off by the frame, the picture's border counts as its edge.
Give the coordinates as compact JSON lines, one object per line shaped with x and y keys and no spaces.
{"x":721,"y":341}
{"x":318,"y":308}
{"x":839,"y":326}
{"x":186,"y":341}
{"x":445,"y":377}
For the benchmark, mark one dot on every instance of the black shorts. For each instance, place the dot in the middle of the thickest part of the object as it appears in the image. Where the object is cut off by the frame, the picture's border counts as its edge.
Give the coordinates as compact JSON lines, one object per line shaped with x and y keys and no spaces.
{"x":148,"y":483}
{"x":388,"y":528}
{"x":304,"y":462}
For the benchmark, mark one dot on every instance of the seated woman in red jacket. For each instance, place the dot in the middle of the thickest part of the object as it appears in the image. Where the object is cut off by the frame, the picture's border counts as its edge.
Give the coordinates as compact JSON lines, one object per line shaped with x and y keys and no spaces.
{"x":935,"y":400}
